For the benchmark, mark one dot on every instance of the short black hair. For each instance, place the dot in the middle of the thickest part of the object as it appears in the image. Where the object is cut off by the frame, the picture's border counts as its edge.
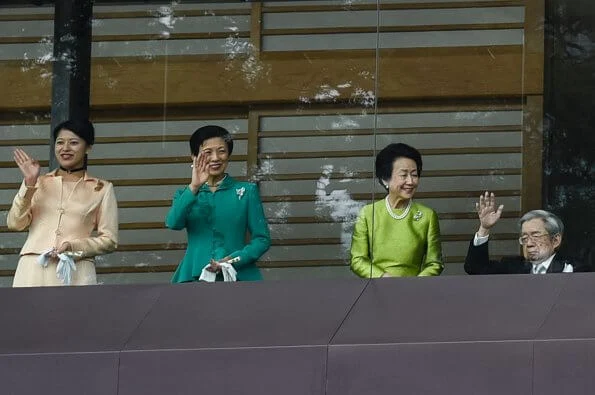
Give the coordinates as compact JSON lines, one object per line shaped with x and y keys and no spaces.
{"x":209,"y":132}
{"x":81,"y":127}
{"x":390,"y":153}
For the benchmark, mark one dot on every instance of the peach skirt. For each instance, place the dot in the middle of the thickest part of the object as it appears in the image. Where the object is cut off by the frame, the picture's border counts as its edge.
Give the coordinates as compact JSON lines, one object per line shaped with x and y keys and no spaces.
{"x":31,"y":274}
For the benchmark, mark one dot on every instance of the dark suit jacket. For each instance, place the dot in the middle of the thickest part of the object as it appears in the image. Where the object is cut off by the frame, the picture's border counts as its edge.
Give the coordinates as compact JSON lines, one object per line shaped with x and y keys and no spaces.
{"x":478,"y":261}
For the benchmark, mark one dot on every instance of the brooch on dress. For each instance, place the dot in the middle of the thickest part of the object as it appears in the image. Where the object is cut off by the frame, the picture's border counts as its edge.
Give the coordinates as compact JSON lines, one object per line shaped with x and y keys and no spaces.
{"x":417,"y":216}
{"x":240,"y":192}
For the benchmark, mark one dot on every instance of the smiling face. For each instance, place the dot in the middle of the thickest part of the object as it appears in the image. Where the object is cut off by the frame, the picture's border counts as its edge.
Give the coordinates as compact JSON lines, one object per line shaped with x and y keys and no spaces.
{"x":404,"y":179}
{"x":70,"y":150}
{"x":218,"y":155}
{"x":538,"y":245}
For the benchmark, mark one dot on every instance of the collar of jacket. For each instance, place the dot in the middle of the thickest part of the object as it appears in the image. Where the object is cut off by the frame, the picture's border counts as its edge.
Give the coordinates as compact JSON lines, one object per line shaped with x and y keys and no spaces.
{"x":227,"y":183}
{"x":86,"y":175}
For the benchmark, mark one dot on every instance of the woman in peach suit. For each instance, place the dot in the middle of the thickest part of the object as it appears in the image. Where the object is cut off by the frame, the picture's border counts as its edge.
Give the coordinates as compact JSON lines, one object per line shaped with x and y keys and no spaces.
{"x":61,"y":209}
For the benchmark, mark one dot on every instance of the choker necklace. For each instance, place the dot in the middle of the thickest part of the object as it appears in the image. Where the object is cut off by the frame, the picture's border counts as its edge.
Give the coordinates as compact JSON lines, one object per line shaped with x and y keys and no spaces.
{"x":72,"y":170}
{"x":392,"y":214}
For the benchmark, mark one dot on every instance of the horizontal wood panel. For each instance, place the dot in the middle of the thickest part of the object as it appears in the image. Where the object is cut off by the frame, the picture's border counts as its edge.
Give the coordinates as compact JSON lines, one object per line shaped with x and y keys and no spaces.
{"x":128,"y":196}
{"x":421,"y":142}
{"x":333,"y":6}
{"x":387,"y":131}
{"x":388,"y":29}
{"x":132,"y":161}
{"x":393,"y":18}
{"x":299,"y":254}
{"x":342,"y":175}
{"x":371,"y":153}
{"x":405,"y":39}
{"x":443,"y":206}
{"x":315,"y":211}
{"x":373,"y":196}
{"x":153,"y":218}
{"x":349,"y":165}
{"x":131,"y":11}
{"x":138,"y":149}
{"x":494,"y":71}
{"x":170,"y":129}
{"x":451,"y":184}
{"x":402,"y":119}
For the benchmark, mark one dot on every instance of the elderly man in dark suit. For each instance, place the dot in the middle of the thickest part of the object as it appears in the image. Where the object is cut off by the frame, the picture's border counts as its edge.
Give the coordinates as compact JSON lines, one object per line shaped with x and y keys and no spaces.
{"x":541,"y":236}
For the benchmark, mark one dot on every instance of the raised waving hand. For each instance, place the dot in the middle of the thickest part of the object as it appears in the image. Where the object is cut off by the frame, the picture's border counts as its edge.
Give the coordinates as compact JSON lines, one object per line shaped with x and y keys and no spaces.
{"x":487,"y":212}
{"x":29,"y":167}
{"x":200,"y":171}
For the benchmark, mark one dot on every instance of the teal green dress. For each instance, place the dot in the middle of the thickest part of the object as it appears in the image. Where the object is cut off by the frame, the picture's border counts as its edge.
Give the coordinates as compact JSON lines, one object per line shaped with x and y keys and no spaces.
{"x":217,"y":224}
{"x":400,"y":247}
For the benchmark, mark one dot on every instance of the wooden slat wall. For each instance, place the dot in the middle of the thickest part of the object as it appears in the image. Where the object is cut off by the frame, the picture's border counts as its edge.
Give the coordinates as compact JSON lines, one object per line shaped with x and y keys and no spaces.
{"x":316,"y":173}
{"x":147,"y":162}
{"x":296,"y":82}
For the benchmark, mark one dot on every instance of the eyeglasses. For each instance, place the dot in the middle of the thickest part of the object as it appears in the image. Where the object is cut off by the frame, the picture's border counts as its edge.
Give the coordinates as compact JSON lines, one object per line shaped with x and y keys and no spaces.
{"x":524,"y":239}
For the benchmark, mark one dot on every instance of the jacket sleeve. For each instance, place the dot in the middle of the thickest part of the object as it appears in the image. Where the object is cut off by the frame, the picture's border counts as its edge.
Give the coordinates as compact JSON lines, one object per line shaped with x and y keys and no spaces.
{"x":180,"y":208}
{"x":107,"y":228}
{"x":478,"y":261}
{"x":260,"y":238}
{"x":432,"y":265}
{"x":361,"y":262}
{"x":19,"y":216}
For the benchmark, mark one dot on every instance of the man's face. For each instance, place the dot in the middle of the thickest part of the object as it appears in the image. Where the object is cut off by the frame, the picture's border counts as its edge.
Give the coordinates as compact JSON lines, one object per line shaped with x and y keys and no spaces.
{"x":538,"y":245}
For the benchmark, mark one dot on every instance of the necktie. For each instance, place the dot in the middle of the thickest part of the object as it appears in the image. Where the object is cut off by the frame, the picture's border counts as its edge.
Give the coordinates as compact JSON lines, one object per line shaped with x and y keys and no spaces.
{"x":539,"y":269}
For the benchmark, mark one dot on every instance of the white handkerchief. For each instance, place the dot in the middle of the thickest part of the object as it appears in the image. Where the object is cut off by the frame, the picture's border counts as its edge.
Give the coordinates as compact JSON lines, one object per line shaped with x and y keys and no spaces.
{"x":206,"y":275}
{"x":42,"y":259}
{"x":65,"y":265}
{"x":229,"y":273}
{"x":65,"y":268}
{"x":568,"y":268}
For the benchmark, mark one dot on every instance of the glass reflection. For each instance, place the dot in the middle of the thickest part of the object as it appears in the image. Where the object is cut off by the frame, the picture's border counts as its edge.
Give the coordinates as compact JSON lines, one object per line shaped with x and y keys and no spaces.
{"x":452,"y":81}
{"x":311,"y":91}
{"x":294,"y":82}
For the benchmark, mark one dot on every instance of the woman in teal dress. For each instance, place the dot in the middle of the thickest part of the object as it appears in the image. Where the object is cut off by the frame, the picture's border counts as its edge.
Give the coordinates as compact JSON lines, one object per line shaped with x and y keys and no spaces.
{"x":218,"y":212}
{"x":396,"y":236}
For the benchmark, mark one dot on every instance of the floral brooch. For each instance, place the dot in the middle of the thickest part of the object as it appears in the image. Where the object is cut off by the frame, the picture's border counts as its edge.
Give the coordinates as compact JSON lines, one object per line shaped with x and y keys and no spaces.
{"x":240,"y":192}
{"x":417,"y":216}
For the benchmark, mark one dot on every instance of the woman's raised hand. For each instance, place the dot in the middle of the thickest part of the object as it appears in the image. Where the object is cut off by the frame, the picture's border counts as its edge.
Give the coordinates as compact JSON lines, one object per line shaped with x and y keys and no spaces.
{"x":487,"y":212}
{"x":29,"y":166}
{"x":200,"y":171}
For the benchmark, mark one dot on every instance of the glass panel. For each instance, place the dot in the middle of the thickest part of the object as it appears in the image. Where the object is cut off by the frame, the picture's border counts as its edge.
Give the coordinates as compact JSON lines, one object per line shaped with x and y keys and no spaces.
{"x":452,"y":85}
{"x":294,"y":84}
{"x":25,"y":66}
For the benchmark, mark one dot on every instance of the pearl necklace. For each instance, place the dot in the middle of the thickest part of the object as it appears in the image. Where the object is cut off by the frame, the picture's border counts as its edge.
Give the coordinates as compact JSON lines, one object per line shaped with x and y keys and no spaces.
{"x":392,"y":214}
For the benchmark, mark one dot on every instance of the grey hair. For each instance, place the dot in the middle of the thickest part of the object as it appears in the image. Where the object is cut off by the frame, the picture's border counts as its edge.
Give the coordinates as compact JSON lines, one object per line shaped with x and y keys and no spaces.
{"x":553,"y":224}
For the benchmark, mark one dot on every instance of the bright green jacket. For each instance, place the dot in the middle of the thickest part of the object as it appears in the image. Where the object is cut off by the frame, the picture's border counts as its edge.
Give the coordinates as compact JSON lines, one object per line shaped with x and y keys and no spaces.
{"x":217,"y":224}
{"x":405,"y":247}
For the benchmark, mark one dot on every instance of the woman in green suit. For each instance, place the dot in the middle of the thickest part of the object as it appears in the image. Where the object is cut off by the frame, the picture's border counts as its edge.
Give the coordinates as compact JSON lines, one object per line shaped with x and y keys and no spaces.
{"x":396,"y":236}
{"x":218,"y":212}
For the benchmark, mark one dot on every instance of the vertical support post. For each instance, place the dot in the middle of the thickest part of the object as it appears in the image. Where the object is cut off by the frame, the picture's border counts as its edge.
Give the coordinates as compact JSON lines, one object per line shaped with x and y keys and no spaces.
{"x":71,"y":73}
{"x":256,"y":28}
{"x":252,"y":157}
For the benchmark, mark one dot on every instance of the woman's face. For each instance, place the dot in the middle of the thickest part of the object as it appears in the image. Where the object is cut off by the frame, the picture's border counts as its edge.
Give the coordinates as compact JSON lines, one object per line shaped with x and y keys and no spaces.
{"x":405,"y":179}
{"x":70,"y":150}
{"x":218,"y":155}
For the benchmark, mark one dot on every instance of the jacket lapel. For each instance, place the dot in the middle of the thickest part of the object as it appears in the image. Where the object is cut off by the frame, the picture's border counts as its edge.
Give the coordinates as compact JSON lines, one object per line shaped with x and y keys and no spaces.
{"x":557,"y":265}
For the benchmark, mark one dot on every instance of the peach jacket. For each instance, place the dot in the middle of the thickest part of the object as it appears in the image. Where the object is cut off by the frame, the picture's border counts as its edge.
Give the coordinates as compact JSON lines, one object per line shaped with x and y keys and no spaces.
{"x":53,"y":218}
